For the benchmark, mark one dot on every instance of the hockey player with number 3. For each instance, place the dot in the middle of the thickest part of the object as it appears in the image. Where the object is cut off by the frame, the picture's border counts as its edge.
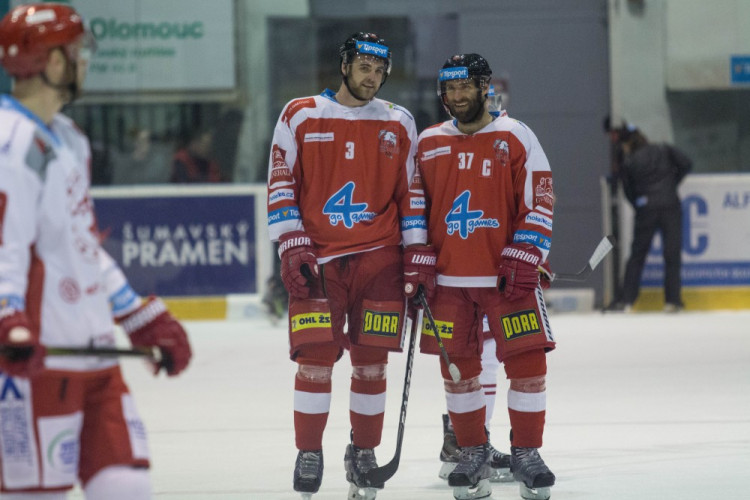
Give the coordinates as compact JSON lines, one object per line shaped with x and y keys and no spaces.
{"x":63,"y":420}
{"x":488,"y":187}
{"x":341,"y":208}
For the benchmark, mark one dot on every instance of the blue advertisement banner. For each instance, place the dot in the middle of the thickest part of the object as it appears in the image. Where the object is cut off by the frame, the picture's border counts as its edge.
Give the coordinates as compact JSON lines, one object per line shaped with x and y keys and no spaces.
{"x":740,"y":68}
{"x":715,"y":234}
{"x":177,"y":246}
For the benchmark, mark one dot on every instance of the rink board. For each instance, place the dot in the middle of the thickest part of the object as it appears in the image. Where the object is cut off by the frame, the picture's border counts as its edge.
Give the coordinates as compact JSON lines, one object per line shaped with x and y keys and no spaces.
{"x":716,"y":235}
{"x":204,"y":248}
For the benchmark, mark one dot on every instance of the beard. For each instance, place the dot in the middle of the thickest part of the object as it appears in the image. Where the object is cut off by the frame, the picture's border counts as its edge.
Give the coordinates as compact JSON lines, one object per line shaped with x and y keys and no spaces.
{"x":357,"y":90}
{"x":468,"y":114}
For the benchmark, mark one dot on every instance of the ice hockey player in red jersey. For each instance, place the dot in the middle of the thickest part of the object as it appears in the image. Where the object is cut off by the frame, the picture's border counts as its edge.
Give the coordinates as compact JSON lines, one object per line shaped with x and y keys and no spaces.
{"x":488,"y":188}
{"x":63,"y":420}
{"x":351,"y":236}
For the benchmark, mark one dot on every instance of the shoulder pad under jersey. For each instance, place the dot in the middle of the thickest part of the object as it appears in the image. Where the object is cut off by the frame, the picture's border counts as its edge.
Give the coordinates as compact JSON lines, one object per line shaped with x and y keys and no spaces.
{"x":39,"y":154}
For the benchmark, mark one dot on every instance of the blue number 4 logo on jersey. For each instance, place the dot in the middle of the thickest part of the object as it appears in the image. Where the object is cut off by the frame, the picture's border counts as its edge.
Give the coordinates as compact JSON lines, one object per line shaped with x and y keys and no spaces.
{"x":463,"y":220}
{"x":341,"y":208}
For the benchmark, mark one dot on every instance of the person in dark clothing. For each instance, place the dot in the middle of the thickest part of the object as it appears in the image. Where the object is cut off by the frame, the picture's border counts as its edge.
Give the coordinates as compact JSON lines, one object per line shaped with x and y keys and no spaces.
{"x":194,"y":163}
{"x":650,"y":175}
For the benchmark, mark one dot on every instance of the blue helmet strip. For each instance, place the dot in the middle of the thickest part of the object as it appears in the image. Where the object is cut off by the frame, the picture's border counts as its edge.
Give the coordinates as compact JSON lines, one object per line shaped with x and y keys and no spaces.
{"x":374,"y":49}
{"x":457,"y":73}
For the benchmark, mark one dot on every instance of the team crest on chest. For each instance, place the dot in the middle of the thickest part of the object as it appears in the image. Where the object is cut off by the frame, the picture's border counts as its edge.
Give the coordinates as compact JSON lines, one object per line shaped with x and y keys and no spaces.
{"x":388,"y":143}
{"x":502,"y":152}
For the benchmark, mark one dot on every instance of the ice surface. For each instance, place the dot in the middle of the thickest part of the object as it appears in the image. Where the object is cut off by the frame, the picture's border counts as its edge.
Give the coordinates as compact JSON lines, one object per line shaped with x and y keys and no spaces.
{"x":640,"y":406}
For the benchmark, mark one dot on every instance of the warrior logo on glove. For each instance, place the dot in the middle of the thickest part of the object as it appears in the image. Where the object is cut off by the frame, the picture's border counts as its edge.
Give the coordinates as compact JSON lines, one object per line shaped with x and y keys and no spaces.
{"x":518,"y":273}
{"x":299,"y":263}
{"x":419,"y":270}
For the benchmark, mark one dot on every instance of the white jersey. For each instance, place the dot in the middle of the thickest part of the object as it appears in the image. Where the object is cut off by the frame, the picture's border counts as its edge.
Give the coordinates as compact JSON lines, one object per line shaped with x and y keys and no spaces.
{"x":51,"y":263}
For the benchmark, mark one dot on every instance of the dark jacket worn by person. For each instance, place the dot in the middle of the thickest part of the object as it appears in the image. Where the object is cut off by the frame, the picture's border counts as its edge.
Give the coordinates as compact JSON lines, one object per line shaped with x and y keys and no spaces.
{"x":651,"y":174}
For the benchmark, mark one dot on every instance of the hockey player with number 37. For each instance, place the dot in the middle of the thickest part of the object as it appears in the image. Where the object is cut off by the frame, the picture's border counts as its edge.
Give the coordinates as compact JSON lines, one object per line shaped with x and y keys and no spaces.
{"x":340,"y":206}
{"x":63,"y":420}
{"x":488,"y":188}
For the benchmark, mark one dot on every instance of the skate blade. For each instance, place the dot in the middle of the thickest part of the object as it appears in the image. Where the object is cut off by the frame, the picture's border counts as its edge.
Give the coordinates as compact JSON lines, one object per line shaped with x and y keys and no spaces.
{"x":446,"y":469}
{"x":357,"y":493}
{"x":501,"y":476}
{"x":534,"y":493}
{"x":481,"y":490}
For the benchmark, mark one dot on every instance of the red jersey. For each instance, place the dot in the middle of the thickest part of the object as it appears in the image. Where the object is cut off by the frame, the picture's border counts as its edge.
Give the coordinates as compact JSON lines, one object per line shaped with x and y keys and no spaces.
{"x":484,"y":191}
{"x":342,"y":175}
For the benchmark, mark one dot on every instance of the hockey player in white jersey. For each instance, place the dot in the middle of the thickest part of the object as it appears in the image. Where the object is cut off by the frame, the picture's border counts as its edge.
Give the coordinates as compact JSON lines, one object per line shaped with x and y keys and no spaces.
{"x":63,"y":420}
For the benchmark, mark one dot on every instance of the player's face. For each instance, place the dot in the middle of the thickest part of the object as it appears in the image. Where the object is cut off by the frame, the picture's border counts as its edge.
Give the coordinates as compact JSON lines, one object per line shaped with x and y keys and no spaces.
{"x":365,"y":76}
{"x":464,"y":100}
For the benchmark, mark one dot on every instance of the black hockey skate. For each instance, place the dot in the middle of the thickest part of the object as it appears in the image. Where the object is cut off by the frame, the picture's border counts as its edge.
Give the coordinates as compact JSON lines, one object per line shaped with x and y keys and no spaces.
{"x":470,"y":478}
{"x":450,"y":451}
{"x":358,"y":461}
{"x":529,"y":469}
{"x":500,"y":465}
{"x":308,"y":472}
{"x":499,"y":461}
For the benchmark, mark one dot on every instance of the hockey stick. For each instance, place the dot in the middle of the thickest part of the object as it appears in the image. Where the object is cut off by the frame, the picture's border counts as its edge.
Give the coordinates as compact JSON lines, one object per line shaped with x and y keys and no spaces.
{"x":107,"y":352}
{"x":375,"y":478}
{"x":601,"y":251}
{"x":453,"y":369}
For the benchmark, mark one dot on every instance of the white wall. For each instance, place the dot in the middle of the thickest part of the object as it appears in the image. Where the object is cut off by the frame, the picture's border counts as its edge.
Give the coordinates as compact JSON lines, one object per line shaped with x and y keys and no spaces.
{"x":256,"y":128}
{"x":637,"y":55}
{"x":660,"y":45}
{"x":701,"y":38}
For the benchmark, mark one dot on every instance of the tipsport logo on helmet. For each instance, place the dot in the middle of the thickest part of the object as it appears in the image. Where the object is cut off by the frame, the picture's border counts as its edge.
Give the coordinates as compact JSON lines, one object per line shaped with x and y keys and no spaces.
{"x":453,"y":74}
{"x":374,"y":49}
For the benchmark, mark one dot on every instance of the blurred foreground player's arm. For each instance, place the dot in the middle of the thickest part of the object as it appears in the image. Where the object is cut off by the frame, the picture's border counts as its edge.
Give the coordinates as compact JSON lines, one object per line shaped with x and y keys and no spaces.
{"x":20,"y":186}
{"x":147,"y":322}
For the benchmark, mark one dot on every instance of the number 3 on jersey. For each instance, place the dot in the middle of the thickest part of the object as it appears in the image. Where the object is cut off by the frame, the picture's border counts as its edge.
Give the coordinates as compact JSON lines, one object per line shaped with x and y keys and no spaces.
{"x":349,"y":154}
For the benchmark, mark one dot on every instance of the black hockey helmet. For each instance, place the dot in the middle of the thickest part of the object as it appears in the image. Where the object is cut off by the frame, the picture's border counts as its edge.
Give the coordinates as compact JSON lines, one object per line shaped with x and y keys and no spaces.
{"x":368,"y":44}
{"x":464,"y":66}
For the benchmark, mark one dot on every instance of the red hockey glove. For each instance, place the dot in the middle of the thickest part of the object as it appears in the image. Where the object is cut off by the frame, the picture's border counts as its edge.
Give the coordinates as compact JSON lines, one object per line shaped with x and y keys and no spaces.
{"x":518,"y":273}
{"x":419,"y":270}
{"x":545,"y":275}
{"x":21,"y":354}
{"x":151,"y":325}
{"x":299,"y":263}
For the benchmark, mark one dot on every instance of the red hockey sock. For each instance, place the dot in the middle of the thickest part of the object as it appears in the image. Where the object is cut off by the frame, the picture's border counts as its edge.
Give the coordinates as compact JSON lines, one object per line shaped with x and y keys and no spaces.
{"x":367,"y":409}
{"x":311,"y":404}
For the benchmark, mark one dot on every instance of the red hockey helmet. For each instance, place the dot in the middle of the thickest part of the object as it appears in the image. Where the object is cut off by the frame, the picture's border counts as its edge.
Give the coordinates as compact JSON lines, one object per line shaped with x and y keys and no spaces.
{"x":29,"y":32}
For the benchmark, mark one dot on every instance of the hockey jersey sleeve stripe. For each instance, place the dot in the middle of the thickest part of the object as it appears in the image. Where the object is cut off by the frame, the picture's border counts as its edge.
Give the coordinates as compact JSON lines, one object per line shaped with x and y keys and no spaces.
{"x":285,"y":214}
{"x":416,"y":222}
{"x":537,"y":219}
{"x":539,"y":240}
{"x":123,"y":301}
{"x":11,"y":303}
